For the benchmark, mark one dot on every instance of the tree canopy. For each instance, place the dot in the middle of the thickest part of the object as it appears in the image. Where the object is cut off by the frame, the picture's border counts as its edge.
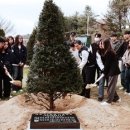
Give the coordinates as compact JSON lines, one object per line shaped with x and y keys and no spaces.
{"x":53,"y":70}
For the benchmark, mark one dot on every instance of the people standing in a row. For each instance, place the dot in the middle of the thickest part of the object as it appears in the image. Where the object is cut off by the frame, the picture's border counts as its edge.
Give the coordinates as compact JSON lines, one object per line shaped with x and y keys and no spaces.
{"x":19,"y":54}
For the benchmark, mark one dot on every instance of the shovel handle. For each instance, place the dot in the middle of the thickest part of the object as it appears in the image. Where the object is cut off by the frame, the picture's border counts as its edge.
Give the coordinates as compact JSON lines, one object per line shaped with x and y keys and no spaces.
{"x":102,"y":75}
{"x":8,"y":74}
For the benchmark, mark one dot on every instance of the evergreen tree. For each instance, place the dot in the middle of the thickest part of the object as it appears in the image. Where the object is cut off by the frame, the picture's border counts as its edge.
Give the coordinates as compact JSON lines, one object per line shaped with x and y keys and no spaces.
{"x":89,"y":19}
{"x":30,"y":46}
{"x":53,"y":69}
{"x":2,"y":33}
{"x":79,"y":23}
{"x":74,"y":23}
{"x":5,"y":25}
{"x":117,"y":17}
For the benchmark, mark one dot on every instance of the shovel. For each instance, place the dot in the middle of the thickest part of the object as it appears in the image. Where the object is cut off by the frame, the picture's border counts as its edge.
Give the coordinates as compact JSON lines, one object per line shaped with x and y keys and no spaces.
{"x":88,"y":86}
{"x":17,"y":83}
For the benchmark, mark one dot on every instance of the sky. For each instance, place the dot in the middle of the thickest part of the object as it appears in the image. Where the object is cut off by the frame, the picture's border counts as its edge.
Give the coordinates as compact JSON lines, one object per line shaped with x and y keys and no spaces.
{"x":24,"y":14}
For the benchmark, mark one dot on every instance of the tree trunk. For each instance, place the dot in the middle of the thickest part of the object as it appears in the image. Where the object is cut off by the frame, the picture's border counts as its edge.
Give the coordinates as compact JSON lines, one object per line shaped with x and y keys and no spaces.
{"x":51,"y":102}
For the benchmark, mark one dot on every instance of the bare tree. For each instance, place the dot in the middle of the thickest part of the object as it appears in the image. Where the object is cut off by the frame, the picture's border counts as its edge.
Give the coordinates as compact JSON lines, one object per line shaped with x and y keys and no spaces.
{"x":6,"y":25}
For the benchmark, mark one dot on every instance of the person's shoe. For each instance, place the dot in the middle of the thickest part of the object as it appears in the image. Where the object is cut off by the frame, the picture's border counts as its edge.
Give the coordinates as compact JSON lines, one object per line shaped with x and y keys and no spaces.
{"x":105,"y":104}
{"x":100,"y":99}
{"x":5,"y":98}
{"x":119,"y":100}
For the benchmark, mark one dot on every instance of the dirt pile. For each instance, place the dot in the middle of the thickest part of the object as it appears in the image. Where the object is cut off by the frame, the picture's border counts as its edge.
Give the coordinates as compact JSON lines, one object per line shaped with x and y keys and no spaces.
{"x":15,"y":113}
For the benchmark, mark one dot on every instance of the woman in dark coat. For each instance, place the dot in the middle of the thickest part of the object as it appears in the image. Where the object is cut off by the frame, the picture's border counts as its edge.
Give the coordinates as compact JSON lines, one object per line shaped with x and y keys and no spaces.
{"x":111,"y":70}
{"x":19,"y":55}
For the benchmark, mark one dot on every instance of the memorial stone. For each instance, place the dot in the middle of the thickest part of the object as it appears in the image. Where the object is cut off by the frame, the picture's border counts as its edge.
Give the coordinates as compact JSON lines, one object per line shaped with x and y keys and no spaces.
{"x":54,"y":121}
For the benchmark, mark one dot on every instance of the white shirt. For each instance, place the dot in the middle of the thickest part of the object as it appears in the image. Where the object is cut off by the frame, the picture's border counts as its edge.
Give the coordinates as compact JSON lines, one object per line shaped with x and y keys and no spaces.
{"x":84,"y":56}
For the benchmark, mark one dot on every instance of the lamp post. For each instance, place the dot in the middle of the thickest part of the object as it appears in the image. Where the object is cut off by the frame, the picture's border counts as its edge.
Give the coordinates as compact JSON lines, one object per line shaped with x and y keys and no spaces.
{"x":87,"y":24}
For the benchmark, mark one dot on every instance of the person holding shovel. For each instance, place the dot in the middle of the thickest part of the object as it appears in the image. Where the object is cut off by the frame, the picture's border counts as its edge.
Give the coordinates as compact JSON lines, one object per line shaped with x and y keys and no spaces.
{"x":89,"y":59}
{"x":5,"y":64}
{"x":111,"y":71}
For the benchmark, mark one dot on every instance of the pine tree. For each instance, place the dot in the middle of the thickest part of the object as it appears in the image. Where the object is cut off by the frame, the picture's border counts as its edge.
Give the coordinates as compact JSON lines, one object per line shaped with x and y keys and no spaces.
{"x":117,"y":17}
{"x":53,"y":69}
{"x":2,"y":32}
{"x":30,"y":45}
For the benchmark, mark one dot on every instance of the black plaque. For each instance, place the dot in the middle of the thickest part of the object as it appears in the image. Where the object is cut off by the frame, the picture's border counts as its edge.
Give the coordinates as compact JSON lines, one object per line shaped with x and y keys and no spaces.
{"x":54,"y":121}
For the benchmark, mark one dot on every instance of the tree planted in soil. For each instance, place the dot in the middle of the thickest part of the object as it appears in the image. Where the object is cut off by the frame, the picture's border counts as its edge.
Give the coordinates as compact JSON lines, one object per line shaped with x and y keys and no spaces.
{"x":53,"y":70}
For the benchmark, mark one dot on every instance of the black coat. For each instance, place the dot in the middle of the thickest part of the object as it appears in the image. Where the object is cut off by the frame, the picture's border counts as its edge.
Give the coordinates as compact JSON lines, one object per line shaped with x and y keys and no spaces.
{"x":19,"y":55}
{"x":5,"y":59}
{"x":111,"y":67}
